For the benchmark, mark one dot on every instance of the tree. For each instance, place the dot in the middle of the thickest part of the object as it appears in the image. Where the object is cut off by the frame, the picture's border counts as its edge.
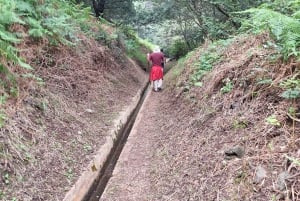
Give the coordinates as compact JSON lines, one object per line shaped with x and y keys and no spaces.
{"x":190,"y":20}
{"x":98,"y":6}
{"x":115,"y":10}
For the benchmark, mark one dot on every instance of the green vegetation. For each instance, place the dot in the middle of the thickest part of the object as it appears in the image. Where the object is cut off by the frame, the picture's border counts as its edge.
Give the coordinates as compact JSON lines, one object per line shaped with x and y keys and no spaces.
{"x":134,"y":46}
{"x":207,"y":60}
{"x":291,"y":87}
{"x":272,"y":120}
{"x":2,"y":118}
{"x":55,"y":21}
{"x":294,"y":160}
{"x":165,"y":22}
{"x":69,"y":174}
{"x":228,"y":86}
{"x":58,"y":21}
{"x":211,"y":56}
{"x":239,"y":124}
{"x":178,"y":49}
{"x":285,"y":29}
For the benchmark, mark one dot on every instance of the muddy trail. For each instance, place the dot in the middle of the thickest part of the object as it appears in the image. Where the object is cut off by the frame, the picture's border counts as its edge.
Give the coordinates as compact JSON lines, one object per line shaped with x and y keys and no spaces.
{"x":139,"y":174}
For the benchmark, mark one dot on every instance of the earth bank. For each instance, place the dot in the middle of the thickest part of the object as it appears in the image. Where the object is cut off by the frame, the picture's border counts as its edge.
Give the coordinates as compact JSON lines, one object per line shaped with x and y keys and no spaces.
{"x":56,"y":126}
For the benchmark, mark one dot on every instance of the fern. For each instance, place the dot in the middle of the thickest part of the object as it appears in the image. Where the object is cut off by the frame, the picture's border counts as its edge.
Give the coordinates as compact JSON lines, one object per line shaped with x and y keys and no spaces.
{"x":292,"y":87}
{"x":286,"y":7}
{"x":7,"y":51}
{"x":8,"y":36}
{"x":296,"y":15}
{"x":36,"y":30}
{"x":284,"y":29}
{"x":8,"y":16}
{"x":55,"y":19}
{"x":25,"y":8}
{"x":9,"y":82}
{"x":10,"y":53}
{"x":207,"y":60}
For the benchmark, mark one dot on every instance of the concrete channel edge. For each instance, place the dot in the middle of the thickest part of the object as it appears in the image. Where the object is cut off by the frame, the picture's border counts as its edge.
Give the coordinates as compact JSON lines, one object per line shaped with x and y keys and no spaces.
{"x":82,"y":186}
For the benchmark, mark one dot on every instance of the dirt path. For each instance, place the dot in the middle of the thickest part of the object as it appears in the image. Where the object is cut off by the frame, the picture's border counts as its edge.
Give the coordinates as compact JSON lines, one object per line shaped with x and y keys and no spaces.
{"x":132,"y":177}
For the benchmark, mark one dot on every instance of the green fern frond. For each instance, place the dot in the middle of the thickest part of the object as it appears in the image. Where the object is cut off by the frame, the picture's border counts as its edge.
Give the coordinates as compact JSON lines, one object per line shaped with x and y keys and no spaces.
{"x":294,"y":5}
{"x":33,"y":22}
{"x":8,"y":16}
{"x":36,"y":33}
{"x":284,"y":29}
{"x":9,"y":52}
{"x":36,"y":30}
{"x":296,"y":14}
{"x":6,"y":50}
{"x":8,"y":36}
{"x":24,"y":8}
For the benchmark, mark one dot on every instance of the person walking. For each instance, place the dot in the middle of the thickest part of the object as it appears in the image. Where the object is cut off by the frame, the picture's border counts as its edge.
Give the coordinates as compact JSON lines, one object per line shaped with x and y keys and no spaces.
{"x":156,"y":73}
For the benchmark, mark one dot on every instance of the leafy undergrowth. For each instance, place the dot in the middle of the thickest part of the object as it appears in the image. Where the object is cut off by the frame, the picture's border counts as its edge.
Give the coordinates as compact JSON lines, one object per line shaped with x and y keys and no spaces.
{"x":241,"y":138}
{"x":54,"y":117}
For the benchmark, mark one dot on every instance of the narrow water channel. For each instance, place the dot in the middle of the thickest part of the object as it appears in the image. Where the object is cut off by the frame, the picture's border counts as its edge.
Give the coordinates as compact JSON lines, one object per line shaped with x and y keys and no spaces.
{"x":100,"y":183}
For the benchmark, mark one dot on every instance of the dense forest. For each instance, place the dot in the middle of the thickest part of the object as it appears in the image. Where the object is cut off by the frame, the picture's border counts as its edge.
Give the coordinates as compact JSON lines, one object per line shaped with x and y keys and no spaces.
{"x":180,"y":26}
{"x":53,"y":53}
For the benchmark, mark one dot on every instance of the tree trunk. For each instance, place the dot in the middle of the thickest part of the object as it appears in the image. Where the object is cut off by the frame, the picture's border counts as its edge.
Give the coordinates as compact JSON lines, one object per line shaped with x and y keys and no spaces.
{"x":99,"y":6}
{"x":218,"y":7}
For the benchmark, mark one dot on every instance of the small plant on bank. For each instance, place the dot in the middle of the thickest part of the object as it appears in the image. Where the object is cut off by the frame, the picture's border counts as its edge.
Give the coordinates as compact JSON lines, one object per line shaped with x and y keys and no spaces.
{"x":2,"y":118}
{"x":3,"y":99}
{"x":295,"y":161}
{"x":228,"y":86}
{"x":87,"y":148}
{"x":69,"y":174}
{"x":240,"y":124}
{"x":210,"y":57}
{"x":272,"y":120}
{"x":292,"y":88}
{"x":292,"y":112}
{"x":266,"y":81}
{"x":207,"y":60}
{"x":6,"y":178}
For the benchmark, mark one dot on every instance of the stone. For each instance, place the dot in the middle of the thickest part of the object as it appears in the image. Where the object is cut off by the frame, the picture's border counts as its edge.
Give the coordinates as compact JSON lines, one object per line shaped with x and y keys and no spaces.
{"x":260,"y":175}
{"x":235,"y":152}
{"x":89,"y":111}
{"x":280,"y":185}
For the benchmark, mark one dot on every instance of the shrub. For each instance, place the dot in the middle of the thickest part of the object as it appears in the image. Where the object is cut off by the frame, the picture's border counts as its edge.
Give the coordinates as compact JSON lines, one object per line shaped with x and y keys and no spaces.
{"x":136,"y":48}
{"x":178,"y":49}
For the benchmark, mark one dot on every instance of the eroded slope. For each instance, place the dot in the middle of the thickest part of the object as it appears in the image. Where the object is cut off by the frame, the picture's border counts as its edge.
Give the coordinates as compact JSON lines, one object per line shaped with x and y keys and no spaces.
{"x":54,"y":128}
